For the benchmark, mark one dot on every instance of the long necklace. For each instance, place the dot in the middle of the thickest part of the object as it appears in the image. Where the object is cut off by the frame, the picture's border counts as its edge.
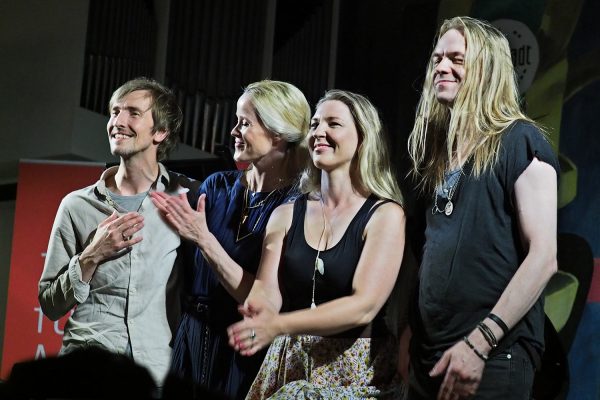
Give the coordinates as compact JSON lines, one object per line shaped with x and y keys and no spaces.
{"x":247,"y":207}
{"x":319,"y":264}
{"x":449,"y":207}
{"x":246,"y":212}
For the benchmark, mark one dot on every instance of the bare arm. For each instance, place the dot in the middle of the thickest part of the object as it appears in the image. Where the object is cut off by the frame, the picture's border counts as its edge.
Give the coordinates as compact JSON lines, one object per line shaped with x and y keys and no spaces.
{"x":265,"y":292}
{"x":191,"y":225}
{"x":536,"y":201}
{"x":373,"y":281}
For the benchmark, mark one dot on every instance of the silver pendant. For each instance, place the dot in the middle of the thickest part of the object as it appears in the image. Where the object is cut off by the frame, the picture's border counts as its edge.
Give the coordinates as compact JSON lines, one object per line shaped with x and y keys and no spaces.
{"x":449,"y":208}
{"x":313,"y":305}
{"x":320,"y":265}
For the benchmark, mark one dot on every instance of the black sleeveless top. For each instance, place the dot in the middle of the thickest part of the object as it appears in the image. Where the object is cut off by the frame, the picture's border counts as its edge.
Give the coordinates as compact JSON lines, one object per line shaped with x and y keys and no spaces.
{"x":340,"y":263}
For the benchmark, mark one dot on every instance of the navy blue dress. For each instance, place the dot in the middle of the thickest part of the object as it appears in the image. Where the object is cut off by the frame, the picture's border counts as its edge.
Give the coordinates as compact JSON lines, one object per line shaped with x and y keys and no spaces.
{"x":200,"y":350}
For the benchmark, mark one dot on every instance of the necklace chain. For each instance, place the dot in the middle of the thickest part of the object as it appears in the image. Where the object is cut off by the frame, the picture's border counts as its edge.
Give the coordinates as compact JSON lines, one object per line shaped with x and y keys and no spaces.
{"x":262,"y":202}
{"x":449,"y":207}
{"x":245,"y":213}
{"x":319,"y":264}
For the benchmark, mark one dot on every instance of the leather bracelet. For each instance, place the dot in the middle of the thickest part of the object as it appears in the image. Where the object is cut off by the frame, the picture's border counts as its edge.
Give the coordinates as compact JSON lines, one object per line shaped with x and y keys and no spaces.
{"x":487,"y":334}
{"x":477,"y":352}
{"x":499,"y":322}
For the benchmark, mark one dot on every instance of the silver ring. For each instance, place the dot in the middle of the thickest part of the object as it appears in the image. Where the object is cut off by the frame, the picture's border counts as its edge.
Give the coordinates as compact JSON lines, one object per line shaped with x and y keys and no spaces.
{"x":252,"y":334}
{"x":125,"y":238}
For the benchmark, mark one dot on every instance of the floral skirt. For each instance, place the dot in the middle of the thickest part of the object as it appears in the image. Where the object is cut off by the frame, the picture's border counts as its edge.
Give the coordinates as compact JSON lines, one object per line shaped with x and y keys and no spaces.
{"x":315,"y":367}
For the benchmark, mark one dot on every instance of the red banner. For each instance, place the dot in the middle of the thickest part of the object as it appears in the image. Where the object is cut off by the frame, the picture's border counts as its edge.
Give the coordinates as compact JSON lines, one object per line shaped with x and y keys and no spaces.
{"x":41,"y":186}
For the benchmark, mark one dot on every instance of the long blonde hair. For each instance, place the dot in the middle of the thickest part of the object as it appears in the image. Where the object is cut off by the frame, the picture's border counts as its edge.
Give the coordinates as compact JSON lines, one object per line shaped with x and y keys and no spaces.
{"x":372,"y":171}
{"x":486,"y":104}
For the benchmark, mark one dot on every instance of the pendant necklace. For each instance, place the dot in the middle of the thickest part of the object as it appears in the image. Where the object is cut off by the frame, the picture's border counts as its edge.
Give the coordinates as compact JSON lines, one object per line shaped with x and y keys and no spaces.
{"x":449,"y":207}
{"x":246,"y":212}
{"x":319,"y":264}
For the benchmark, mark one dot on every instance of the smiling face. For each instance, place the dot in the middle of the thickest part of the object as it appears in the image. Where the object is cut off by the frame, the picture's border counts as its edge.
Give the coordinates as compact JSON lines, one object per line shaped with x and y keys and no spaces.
{"x":449,"y":68}
{"x":252,"y":140}
{"x":131,"y":126}
{"x":333,"y":139}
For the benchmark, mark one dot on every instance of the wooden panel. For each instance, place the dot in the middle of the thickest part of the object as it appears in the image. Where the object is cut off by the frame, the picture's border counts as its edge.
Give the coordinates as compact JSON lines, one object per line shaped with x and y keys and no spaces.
{"x":120,"y":45}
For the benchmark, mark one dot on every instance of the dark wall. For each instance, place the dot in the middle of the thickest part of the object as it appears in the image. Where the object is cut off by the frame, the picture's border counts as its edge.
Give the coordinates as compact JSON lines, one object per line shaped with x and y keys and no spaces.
{"x":383,"y":50}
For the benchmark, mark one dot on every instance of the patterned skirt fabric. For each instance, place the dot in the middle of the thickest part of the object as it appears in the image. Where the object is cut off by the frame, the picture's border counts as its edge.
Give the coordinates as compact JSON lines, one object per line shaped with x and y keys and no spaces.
{"x":314,"y":367}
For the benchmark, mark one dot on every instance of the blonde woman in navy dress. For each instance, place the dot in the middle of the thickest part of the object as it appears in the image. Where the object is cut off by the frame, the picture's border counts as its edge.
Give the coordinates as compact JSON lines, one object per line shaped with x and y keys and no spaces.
{"x":227,"y":228}
{"x":328,"y":266}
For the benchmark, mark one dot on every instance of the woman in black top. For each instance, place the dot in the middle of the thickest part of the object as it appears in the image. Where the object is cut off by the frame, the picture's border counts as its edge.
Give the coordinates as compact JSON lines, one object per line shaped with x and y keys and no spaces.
{"x":329,"y":264}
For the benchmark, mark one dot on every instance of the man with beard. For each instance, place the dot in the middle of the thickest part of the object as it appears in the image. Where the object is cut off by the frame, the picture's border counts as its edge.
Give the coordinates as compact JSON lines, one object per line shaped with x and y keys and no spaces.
{"x":110,"y":253}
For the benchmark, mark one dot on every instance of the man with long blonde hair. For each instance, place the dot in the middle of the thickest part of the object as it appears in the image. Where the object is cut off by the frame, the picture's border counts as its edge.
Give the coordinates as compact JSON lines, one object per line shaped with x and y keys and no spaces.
{"x":490,"y":240}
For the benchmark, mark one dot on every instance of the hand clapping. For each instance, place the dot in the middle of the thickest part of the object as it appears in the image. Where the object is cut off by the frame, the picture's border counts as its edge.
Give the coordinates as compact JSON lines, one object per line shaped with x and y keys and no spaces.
{"x":256,"y":330}
{"x":189,"y":223}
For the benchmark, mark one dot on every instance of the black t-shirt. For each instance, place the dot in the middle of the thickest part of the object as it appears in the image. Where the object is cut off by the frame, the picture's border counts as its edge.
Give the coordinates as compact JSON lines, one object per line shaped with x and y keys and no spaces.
{"x":471,"y":255}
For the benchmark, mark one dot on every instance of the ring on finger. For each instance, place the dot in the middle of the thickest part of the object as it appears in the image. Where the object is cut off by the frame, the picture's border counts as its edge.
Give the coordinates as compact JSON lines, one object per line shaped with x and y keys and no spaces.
{"x":252,"y":334}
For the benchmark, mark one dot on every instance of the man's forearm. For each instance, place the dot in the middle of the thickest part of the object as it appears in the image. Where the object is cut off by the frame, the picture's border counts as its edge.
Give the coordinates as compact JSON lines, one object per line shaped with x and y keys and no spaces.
{"x":57,"y":296}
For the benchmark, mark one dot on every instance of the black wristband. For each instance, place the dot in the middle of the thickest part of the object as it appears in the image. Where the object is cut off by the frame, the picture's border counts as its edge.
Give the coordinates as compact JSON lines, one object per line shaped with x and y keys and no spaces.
{"x":477,"y":352}
{"x":499,"y":322}
{"x":488,"y":334}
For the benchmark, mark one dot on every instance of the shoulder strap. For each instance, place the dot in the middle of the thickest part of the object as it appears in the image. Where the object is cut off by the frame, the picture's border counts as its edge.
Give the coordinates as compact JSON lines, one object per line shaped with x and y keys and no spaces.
{"x":297,"y":225}
{"x":375,"y":203}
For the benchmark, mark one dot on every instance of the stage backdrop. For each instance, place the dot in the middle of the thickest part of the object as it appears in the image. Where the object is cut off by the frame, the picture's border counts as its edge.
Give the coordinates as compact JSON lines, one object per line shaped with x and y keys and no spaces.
{"x":41,"y":187}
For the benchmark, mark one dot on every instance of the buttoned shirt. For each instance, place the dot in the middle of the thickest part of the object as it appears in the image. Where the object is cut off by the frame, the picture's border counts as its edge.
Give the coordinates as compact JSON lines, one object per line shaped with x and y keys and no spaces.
{"x":123,"y":307}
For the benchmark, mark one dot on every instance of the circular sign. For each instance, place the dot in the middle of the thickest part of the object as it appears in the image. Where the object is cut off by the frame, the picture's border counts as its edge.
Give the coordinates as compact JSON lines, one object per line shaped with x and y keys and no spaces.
{"x":524,"y":50}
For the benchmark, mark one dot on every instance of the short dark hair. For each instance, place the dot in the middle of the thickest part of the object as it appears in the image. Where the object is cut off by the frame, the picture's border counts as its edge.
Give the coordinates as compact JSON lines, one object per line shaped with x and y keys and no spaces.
{"x":166,"y":113}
